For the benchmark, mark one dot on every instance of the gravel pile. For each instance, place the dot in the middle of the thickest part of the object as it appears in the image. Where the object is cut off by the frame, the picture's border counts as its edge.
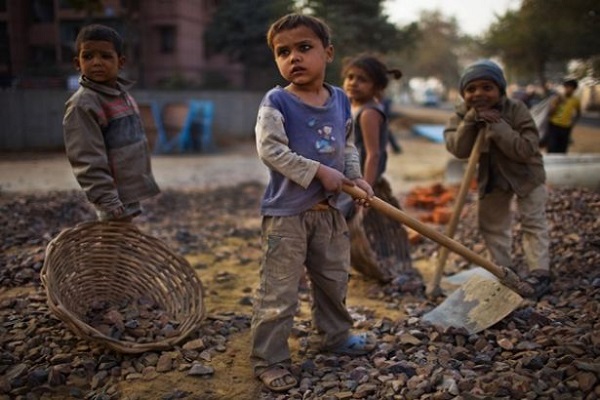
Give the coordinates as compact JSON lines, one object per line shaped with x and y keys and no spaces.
{"x":544,"y":350}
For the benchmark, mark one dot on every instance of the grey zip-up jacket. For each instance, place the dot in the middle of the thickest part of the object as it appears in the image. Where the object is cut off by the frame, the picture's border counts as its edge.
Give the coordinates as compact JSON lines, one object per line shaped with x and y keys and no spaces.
{"x":106,"y":145}
{"x":510,"y":154}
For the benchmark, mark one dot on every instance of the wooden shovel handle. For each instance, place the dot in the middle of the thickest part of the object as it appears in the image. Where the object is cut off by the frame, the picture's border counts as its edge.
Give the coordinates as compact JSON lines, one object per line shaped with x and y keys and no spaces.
{"x":458,"y":206}
{"x":508,"y":277}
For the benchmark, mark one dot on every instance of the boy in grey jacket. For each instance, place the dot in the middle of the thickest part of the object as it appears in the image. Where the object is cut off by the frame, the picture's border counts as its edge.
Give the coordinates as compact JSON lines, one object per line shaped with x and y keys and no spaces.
{"x":510,"y":165}
{"x":104,"y":138}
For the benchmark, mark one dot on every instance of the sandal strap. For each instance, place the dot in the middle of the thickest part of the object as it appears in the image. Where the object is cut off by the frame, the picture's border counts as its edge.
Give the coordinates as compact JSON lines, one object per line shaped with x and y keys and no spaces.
{"x":273,"y":373}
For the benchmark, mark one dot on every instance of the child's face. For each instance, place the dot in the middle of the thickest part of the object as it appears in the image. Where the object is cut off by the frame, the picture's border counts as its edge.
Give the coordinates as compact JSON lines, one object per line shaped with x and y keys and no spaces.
{"x":301,"y":57}
{"x":481,"y":94}
{"x":359,"y":87}
{"x":98,"y":61}
{"x":569,"y":90}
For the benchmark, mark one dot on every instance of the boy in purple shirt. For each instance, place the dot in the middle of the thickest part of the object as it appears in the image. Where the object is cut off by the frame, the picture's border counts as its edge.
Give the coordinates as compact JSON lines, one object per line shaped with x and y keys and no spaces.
{"x":303,"y":136}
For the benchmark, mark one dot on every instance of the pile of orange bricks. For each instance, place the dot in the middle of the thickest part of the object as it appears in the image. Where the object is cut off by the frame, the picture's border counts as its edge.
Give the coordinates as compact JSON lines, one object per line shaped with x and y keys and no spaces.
{"x":432,"y":203}
{"x":429,"y":204}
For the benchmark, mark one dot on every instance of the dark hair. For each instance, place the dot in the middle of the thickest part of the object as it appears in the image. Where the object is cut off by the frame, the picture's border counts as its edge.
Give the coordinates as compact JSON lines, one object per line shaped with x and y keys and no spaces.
{"x":294,"y":20}
{"x":374,"y":68}
{"x":99,"y":32}
{"x":571,"y":82}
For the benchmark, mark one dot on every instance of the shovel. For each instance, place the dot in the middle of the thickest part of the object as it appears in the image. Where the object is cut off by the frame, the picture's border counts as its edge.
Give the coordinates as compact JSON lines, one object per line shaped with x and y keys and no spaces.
{"x":434,"y":290}
{"x":478,"y":304}
{"x":472,"y":303}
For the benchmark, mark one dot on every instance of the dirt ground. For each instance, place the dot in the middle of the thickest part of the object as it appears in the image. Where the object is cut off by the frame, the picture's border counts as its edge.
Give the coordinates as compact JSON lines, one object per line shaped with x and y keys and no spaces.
{"x":421,"y":163}
{"x":230,"y":165}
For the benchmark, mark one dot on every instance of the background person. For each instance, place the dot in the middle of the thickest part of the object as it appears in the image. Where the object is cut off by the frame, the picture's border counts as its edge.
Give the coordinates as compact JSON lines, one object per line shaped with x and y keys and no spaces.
{"x":510,"y":166}
{"x":565,"y":110}
{"x":104,"y":138}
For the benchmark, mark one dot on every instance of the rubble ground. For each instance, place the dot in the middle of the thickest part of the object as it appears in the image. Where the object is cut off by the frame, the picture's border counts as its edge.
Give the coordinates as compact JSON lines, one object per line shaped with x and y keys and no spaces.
{"x":544,"y":350}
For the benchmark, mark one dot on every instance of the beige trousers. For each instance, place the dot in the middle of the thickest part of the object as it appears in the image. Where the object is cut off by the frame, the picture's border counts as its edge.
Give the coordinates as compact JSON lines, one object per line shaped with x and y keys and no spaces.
{"x":495,"y":220}
{"x":320,"y":241}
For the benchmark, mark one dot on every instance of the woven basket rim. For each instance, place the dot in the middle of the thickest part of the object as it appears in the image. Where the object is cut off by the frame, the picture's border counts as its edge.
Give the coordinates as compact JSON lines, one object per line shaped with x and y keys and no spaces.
{"x":62,"y":311}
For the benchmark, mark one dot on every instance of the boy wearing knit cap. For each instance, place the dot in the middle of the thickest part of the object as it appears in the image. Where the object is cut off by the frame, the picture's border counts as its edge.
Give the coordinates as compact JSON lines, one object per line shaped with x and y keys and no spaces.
{"x":510,"y":165}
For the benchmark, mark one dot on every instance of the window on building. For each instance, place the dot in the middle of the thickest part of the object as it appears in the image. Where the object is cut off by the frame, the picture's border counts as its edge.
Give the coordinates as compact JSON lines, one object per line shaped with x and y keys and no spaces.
{"x":168,"y":36}
{"x":68,"y":34}
{"x":42,"y":11}
{"x":210,"y":5}
{"x":4,"y":49}
{"x":43,"y":57}
{"x":65,"y":5}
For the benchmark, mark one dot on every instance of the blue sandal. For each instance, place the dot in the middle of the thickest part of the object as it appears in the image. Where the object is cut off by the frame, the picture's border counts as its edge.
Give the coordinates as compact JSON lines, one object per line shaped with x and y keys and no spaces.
{"x":356,"y":345}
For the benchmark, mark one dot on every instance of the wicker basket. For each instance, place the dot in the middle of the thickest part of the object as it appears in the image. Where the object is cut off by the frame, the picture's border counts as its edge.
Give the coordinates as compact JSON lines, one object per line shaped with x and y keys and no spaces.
{"x":116,"y":262}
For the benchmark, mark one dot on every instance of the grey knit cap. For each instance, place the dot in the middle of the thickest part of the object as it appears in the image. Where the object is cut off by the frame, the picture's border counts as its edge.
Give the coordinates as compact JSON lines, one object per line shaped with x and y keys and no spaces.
{"x":483,"y":69}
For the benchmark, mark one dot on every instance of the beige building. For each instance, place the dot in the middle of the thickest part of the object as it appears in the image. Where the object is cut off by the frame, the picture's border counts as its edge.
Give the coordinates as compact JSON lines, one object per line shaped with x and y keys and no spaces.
{"x":164,"y":38}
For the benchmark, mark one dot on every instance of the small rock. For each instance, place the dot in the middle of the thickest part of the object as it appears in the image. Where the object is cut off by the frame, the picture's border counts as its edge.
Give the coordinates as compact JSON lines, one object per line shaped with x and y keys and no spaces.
{"x":197,"y":344}
{"x":199,"y":369}
{"x":506,"y":344}
{"x":165,"y":363}
{"x":134,"y":376}
{"x":586,"y":380}
{"x":365,"y":390}
{"x":407,"y":338}
{"x":149,"y":373}
{"x":150,"y":359}
{"x":98,"y":379}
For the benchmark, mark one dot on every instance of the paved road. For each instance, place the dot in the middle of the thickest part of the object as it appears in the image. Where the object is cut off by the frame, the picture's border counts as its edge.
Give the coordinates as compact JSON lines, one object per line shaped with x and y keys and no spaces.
{"x":44,"y":172}
{"x":441,"y":114}
{"x":420,"y":163}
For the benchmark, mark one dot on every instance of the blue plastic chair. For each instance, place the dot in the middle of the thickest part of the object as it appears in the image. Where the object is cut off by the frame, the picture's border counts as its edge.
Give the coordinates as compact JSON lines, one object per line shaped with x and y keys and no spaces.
{"x":195,"y":134}
{"x":162,"y":145}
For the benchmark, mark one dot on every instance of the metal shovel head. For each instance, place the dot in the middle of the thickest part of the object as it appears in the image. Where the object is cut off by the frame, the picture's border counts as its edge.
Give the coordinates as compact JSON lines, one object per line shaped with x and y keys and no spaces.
{"x":475,"y":306}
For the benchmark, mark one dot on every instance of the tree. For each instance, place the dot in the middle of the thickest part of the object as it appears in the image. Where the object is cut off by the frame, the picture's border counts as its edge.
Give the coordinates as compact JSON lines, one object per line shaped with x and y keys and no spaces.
{"x":238,"y":29}
{"x":88,"y":6}
{"x":545,"y":31}
{"x":438,"y":45}
{"x":437,"y":49}
{"x":358,"y":26}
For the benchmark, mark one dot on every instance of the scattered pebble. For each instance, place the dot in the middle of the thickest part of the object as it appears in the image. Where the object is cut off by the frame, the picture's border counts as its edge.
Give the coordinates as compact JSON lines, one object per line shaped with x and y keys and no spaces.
{"x":544,"y":350}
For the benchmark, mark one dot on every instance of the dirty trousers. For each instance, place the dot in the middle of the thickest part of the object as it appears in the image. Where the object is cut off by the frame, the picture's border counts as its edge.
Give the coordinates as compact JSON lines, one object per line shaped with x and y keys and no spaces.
{"x":495,"y":220}
{"x":320,"y":241}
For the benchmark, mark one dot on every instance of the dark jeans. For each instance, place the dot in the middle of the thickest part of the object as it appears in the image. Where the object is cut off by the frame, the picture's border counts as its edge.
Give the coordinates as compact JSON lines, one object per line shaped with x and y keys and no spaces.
{"x":558,"y":138}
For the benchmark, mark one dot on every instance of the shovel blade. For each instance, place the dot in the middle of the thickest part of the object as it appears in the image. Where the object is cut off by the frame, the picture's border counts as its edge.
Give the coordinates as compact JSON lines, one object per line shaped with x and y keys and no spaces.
{"x":475,"y":306}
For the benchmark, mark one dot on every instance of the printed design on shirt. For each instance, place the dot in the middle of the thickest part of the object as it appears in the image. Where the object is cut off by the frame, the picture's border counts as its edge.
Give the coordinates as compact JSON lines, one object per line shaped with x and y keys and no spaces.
{"x":116,"y":108}
{"x":325,"y":143}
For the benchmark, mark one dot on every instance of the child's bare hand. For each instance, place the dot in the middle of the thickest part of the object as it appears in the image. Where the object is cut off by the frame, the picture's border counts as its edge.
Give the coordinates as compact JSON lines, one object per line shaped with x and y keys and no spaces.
{"x":332,"y":179}
{"x":117,"y":212}
{"x":364,"y":185}
{"x":490,"y":115}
